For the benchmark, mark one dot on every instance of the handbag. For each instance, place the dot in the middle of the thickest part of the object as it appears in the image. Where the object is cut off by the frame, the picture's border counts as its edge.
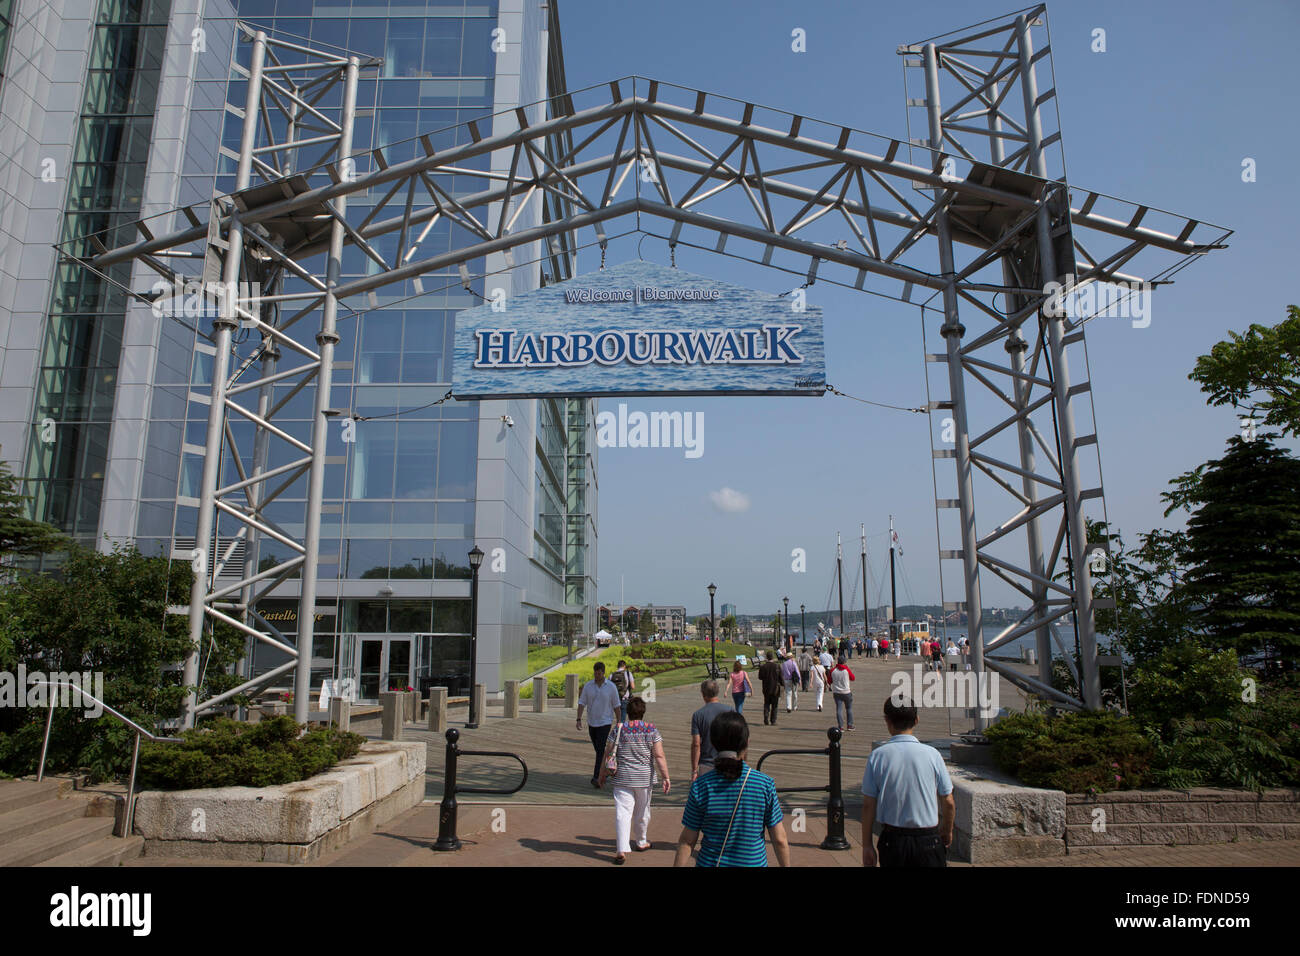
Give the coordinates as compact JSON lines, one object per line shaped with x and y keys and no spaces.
{"x":733,"y":817}
{"x":611,"y":762}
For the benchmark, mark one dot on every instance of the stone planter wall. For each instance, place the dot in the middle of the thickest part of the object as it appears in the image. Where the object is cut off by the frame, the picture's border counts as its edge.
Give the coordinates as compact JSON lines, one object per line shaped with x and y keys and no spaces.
{"x":999,"y":819}
{"x":1180,"y":817}
{"x":289,"y":823}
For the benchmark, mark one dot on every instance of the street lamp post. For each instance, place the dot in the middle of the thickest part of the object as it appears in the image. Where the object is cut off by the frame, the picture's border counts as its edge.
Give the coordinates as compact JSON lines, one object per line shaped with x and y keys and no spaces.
{"x":803,"y":632}
{"x":713,"y":635}
{"x":785,"y":635}
{"x":475,"y":560}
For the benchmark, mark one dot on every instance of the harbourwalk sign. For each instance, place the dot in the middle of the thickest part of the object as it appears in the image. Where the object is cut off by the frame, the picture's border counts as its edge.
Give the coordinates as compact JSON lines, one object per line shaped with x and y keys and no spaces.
{"x":639,"y":329}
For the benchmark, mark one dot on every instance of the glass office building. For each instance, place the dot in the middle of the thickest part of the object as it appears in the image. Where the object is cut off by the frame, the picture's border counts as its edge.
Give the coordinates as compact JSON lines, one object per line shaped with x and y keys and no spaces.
{"x":107,"y":410}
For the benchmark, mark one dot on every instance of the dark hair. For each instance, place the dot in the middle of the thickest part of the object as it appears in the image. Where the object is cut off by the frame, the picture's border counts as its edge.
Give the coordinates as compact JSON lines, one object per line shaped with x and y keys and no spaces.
{"x":622,"y":663}
{"x":729,"y":732}
{"x":736,"y":667}
{"x":901,"y":714}
{"x":843,"y":660}
{"x":636,"y":708}
{"x":770,"y":655}
{"x":599,"y":667}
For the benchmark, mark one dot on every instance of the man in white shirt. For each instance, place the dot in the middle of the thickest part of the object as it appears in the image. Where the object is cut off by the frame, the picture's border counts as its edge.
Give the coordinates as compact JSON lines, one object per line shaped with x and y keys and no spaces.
{"x":827,"y":661}
{"x":599,"y":698}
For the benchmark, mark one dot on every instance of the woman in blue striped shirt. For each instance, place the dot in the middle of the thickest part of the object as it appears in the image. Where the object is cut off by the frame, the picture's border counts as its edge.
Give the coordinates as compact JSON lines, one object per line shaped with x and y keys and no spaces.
{"x":732,"y":806}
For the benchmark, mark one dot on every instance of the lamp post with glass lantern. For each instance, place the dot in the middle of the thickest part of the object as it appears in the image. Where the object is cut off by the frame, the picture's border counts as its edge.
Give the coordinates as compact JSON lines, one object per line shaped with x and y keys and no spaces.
{"x":785,"y":634}
{"x":475,"y":560}
{"x":713,"y":635}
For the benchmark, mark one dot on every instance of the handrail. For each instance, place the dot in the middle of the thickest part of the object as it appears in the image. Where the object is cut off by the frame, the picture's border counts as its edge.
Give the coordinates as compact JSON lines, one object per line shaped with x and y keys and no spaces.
{"x":120,"y":716}
{"x":835,"y":839}
{"x":493,"y":753}
{"x":129,"y":819}
{"x":447,"y":839}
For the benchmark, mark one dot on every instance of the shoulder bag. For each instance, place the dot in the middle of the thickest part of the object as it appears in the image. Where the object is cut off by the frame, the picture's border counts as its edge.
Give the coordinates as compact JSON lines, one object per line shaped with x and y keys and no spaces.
{"x":611,"y":761}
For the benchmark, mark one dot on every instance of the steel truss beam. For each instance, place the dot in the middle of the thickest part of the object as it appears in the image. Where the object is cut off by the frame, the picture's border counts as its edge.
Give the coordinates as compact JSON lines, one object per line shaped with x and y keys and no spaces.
{"x":978,"y":224}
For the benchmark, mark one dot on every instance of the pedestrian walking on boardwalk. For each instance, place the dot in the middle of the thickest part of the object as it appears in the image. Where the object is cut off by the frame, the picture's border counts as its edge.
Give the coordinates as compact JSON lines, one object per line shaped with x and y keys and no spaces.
{"x":740,"y":686}
{"x":769,"y":675}
{"x":702,"y":752}
{"x":907,"y":789}
{"x":818,"y":680}
{"x":805,"y":668}
{"x":841,"y":688}
{"x":790,"y":679}
{"x":599,"y":698}
{"x":953,"y":655}
{"x":732,"y":807}
{"x":625,"y":684}
{"x":636,"y":750}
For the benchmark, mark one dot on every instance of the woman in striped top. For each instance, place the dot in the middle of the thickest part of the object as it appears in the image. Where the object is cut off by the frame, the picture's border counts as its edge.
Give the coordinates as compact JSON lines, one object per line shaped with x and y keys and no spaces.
{"x":638,"y":749}
{"x":732,"y":806}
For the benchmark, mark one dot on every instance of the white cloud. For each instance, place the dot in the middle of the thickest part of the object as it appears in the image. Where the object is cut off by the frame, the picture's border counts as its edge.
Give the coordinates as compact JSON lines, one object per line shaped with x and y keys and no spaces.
{"x":729,"y":499}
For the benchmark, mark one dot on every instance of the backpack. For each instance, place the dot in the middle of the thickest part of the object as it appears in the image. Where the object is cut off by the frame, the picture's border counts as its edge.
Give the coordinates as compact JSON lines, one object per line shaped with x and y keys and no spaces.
{"x":620,"y":682}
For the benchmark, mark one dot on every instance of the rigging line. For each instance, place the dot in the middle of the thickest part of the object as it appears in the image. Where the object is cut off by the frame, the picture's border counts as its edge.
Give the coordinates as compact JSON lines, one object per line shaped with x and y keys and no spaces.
{"x":830,"y":591}
{"x":402,"y":411}
{"x":835,"y":391}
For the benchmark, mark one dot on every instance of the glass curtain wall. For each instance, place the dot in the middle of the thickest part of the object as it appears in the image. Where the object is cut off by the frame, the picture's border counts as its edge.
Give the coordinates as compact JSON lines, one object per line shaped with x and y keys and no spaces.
{"x":83,"y":333}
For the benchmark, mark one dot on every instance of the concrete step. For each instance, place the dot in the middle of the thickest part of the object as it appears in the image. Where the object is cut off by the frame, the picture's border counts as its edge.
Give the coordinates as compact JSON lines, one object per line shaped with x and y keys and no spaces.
{"x":25,"y":821}
{"x":15,"y":794}
{"x":49,"y":843}
{"x":109,"y":851}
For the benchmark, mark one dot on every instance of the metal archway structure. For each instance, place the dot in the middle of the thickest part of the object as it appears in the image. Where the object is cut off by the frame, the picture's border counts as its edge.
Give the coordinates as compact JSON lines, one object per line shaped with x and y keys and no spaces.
{"x":976,"y":213}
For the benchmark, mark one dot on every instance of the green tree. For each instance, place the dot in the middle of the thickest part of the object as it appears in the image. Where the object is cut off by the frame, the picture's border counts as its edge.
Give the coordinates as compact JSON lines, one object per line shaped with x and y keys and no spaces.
{"x":645,"y":627}
{"x":1258,"y":371}
{"x":728,"y":626}
{"x":18,"y":533}
{"x":105,"y":614}
{"x":1243,"y":548}
{"x":702,"y":628}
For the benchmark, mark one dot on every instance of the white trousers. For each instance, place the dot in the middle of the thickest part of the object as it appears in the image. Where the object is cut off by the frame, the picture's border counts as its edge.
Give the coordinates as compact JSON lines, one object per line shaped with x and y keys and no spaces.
{"x":791,"y":694}
{"x":631,"y":813}
{"x":820,"y":690}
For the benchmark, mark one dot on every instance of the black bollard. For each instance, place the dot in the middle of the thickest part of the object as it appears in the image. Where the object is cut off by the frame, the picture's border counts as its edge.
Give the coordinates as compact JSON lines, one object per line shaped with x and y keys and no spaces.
{"x":835,"y":804}
{"x":447,"y":809}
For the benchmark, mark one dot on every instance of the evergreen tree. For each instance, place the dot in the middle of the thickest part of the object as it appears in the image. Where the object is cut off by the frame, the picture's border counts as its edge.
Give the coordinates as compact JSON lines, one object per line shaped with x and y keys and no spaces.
{"x":18,"y":533}
{"x":1243,"y":548}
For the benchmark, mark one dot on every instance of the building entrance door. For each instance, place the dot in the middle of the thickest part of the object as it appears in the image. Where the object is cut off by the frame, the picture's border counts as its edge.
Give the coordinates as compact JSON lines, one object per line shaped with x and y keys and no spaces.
{"x":381,"y":664}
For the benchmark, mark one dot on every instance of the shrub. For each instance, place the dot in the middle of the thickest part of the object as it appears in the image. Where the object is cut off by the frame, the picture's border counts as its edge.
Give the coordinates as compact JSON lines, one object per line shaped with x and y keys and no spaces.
{"x":1256,"y":746}
{"x":226,"y":753}
{"x":1182,"y":681}
{"x":1072,"y":752}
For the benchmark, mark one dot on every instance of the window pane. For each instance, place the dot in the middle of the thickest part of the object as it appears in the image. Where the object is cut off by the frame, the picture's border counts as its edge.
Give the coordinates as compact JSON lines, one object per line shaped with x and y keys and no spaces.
{"x":457,"y":460}
{"x":372,"y":466}
{"x":417,"y":451}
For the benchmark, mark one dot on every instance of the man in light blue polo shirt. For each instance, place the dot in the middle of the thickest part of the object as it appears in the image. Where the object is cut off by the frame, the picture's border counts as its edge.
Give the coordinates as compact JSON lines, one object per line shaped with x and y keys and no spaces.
{"x":906,"y":786}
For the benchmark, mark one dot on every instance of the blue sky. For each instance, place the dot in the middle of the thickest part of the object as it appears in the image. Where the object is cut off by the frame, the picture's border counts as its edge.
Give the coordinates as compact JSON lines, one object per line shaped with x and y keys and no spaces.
{"x":1165,"y":116}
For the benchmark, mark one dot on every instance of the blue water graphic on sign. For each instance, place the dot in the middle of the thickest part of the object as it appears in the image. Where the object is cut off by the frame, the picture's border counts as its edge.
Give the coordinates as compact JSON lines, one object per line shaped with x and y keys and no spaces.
{"x":640,"y":329}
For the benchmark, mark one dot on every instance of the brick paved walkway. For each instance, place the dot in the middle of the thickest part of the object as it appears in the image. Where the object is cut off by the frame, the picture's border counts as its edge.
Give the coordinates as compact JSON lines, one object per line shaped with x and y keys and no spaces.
{"x":560,"y":758}
{"x":559,"y":819}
